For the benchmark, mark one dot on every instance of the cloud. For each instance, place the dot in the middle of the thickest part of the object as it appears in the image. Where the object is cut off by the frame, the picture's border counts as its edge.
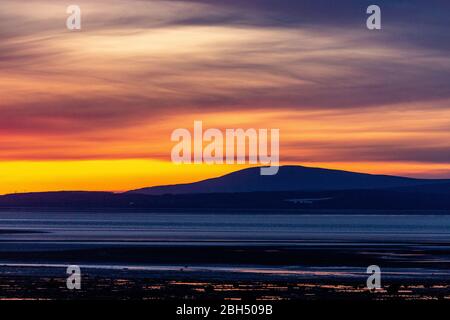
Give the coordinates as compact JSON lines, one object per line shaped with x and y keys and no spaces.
{"x":137,"y":64}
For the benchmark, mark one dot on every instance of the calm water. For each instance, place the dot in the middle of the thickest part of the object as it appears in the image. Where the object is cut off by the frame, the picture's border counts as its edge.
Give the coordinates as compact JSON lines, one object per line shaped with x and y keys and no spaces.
{"x":63,"y":228}
{"x":57,"y":231}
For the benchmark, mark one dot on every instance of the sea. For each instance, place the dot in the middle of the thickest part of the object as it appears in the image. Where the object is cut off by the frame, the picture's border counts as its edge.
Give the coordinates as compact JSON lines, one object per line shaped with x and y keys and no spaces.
{"x":410,"y":245}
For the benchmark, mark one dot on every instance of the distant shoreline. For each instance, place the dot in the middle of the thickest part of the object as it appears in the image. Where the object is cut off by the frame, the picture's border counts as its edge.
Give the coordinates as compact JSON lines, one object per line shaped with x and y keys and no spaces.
{"x":356,"y":212}
{"x":17,"y":231}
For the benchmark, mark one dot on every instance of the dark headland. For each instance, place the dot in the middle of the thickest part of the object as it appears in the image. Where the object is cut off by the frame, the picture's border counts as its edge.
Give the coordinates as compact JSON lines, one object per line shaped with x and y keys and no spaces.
{"x":293,"y":188}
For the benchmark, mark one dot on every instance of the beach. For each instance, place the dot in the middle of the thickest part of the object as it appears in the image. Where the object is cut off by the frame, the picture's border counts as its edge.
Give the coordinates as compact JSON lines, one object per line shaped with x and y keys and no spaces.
{"x":237,"y":256}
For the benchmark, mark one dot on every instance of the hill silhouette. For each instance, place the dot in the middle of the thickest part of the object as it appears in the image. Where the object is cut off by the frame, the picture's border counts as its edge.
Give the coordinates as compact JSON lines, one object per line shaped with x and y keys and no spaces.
{"x":289,"y":178}
{"x":293,"y":188}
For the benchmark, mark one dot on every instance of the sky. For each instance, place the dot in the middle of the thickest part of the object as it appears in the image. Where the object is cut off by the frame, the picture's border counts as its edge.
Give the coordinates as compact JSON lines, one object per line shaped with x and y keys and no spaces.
{"x":94,"y":109}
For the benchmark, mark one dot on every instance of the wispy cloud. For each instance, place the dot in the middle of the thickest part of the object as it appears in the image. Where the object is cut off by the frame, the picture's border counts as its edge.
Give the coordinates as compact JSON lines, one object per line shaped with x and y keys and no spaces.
{"x":116,"y":88}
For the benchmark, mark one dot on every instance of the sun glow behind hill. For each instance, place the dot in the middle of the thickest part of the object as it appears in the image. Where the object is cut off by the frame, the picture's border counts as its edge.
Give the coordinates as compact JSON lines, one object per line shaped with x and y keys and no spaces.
{"x":94,"y":110}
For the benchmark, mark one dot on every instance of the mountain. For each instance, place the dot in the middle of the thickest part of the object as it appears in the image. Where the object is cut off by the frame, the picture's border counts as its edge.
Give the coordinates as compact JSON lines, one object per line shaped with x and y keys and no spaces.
{"x":427,"y":199}
{"x":289,"y":178}
{"x":293,"y":188}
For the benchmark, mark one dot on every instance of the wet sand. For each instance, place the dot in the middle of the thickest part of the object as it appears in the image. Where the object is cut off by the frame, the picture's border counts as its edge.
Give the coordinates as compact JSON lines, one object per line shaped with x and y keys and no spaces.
{"x":427,"y":255}
{"x":331,"y":272}
{"x":170,"y":256}
{"x":50,"y":283}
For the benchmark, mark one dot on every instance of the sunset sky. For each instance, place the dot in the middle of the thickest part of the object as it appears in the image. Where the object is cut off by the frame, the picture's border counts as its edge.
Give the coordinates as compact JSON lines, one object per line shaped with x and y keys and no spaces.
{"x":94,"y":109}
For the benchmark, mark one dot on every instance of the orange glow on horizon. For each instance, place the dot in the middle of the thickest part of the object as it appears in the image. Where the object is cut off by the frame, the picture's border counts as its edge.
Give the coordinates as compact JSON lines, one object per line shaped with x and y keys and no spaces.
{"x":95,"y":109}
{"x":124,"y":175}
{"x":100,"y":175}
